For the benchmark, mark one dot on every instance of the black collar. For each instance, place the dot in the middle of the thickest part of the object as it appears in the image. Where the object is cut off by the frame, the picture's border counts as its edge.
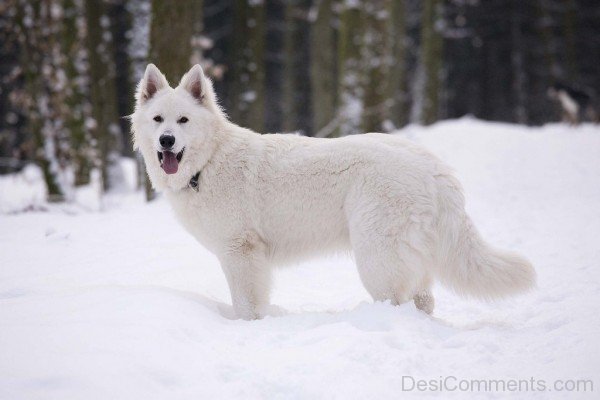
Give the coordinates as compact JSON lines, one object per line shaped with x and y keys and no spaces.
{"x":193,"y":183}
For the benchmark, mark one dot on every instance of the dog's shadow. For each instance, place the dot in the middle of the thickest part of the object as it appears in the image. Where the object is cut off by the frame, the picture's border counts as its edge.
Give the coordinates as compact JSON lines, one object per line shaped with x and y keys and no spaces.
{"x":215,"y":306}
{"x":273,"y":313}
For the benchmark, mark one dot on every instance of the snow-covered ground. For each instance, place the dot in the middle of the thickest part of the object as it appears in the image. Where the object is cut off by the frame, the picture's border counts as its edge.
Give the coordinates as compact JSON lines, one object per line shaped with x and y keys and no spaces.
{"x":123,"y":304}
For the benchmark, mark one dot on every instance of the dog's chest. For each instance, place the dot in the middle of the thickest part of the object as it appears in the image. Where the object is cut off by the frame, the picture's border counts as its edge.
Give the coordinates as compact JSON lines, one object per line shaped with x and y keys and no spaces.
{"x":205,"y":214}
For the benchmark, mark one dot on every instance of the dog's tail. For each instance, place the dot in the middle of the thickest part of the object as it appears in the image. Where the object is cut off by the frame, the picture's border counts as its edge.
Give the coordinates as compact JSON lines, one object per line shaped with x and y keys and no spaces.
{"x":466,"y":263}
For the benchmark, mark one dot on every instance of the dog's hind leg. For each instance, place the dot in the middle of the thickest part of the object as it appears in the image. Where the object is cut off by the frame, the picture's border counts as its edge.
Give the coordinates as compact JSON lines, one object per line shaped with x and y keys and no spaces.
{"x":424,"y":300}
{"x":248,"y":275}
{"x":389,"y":269}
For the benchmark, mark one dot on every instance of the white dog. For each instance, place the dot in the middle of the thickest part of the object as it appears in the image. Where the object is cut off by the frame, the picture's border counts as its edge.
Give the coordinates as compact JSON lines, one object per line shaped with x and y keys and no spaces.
{"x":258,"y":201}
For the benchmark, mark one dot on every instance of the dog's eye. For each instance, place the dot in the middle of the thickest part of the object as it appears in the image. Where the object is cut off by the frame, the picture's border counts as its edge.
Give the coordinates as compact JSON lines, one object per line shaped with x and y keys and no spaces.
{"x":158,"y":118}
{"x":182,"y":120}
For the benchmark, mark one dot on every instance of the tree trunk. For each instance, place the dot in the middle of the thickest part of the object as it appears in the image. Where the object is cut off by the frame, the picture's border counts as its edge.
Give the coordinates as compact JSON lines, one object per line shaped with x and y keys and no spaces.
{"x":106,"y":130}
{"x":120,"y":23}
{"x":296,"y":77}
{"x":397,"y":82}
{"x":431,"y":59}
{"x":570,"y":32}
{"x":519,"y":75}
{"x":248,"y":60}
{"x":73,"y":42}
{"x":15,"y":134}
{"x":274,"y":65}
{"x":323,"y":73}
{"x":377,"y":53}
{"x":350,"y":70}
{"x":171,"y":34}
{"x":43,"y":101}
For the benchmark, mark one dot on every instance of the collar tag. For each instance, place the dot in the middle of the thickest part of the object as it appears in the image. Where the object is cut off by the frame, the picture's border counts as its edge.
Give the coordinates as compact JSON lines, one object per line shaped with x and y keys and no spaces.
{"x":193,"y":183}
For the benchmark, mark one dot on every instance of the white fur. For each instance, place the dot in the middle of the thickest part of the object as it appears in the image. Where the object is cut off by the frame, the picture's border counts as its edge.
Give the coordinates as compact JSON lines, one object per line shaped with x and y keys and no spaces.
{"x":267,"y":200}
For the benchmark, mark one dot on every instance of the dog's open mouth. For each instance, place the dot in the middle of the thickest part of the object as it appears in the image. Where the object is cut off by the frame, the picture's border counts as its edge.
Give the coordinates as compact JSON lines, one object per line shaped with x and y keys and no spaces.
{"x":169,"y":161}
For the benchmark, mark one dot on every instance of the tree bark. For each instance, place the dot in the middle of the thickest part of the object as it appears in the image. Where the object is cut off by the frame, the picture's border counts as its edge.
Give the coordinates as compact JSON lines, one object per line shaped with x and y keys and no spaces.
{"x":519,"y":76}
{"x":323,"y":73}
{"x":171,"y":33}
{"x":431,"y":59}
{"x":43,"y":102}
{"x":398,"y":91}
{"x":73,"y":43}
{"x":297,"y":90}
{"x":248,"y":60}
{"x":377,"y":52}
{"x":106,"y":130}
{"x":350,"y":73}
{"x":120,"y":24}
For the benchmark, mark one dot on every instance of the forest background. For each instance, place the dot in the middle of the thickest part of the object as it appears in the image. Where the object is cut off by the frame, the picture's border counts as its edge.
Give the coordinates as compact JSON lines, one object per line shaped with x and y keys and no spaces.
{"x":326,"y":68}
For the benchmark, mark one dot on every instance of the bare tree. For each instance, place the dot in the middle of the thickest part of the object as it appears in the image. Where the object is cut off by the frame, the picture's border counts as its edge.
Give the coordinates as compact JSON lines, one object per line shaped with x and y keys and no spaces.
{"x":431,"y":59}
{"x":350,"y":75}
{"x":105,"y":126}
{"x":297,"y":84}
{"x":323,"y":71}
{"x":248,"y":62}
{"x":43,"y":98}
{"x":171,"y":34}
{"x":398,"y":90}
{"x":376,"y":61}
{"x":84,"y":155}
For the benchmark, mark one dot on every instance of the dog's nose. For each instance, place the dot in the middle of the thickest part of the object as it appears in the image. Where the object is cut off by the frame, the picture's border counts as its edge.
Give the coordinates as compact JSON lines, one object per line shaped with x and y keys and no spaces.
{"x":166,"y":141}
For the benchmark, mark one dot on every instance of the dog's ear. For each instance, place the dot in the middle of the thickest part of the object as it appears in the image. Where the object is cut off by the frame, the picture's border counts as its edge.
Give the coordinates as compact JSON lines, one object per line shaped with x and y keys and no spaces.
{"x":151,"y":83}
{"x":195,"y":82}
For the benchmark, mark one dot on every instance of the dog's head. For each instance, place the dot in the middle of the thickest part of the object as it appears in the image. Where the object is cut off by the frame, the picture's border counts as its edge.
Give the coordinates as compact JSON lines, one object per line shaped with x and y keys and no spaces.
{"x":175,"y":128}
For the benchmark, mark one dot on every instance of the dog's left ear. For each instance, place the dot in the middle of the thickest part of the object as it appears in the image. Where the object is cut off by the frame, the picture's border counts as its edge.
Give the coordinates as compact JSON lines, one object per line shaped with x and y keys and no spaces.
{"x":195,"y":83}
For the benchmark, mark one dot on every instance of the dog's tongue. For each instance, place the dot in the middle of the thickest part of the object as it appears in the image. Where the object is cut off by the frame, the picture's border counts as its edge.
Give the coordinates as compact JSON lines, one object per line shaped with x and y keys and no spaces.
{"x":169,"y":162}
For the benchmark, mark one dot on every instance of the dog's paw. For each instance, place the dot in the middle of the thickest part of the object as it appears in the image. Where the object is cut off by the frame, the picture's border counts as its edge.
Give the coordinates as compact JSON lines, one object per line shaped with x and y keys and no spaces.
{"x":246,"y":312}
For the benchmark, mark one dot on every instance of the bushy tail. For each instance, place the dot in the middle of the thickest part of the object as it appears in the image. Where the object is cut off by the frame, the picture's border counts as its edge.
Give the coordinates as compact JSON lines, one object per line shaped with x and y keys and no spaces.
{"x":471,"y":267}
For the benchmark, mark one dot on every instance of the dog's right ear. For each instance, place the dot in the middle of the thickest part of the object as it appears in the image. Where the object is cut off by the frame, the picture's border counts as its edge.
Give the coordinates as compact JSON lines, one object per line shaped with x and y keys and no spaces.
{"x":195,"y":83}
{"x":151,"y":83}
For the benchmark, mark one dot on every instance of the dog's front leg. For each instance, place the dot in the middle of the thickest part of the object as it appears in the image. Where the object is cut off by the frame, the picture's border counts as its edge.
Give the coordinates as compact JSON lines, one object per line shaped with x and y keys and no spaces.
{"x":248,"y":276}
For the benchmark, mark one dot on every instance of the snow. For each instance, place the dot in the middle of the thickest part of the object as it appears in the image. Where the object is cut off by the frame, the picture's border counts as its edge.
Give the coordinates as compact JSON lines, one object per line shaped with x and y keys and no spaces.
{"x":89,"y":197}
{"x":124,"y":304}
{"x":24,"y":190}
